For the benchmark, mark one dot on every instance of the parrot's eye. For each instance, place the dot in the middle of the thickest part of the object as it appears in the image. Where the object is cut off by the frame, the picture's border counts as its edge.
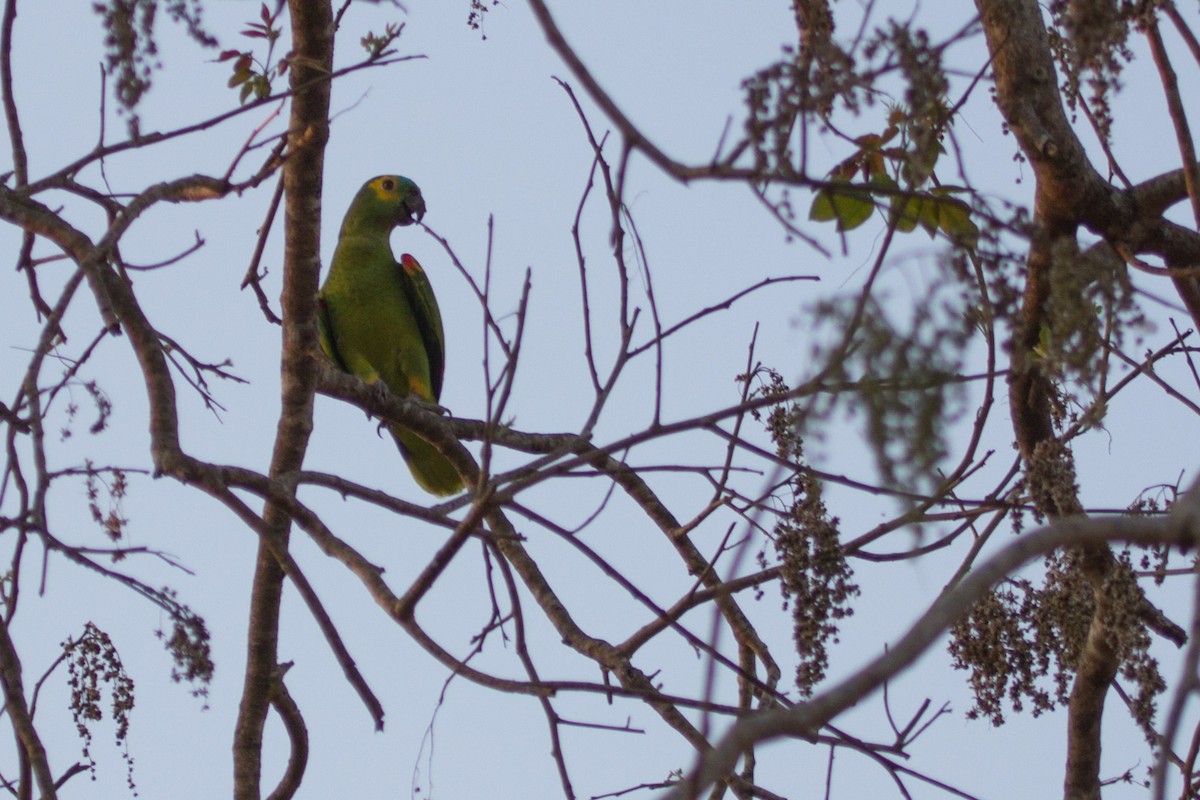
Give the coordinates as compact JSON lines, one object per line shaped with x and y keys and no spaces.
{"x":388,"y":184}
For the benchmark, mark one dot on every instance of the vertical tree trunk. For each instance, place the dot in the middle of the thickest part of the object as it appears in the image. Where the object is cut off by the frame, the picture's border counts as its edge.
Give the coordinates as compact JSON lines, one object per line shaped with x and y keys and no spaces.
{"x":308,"y":131}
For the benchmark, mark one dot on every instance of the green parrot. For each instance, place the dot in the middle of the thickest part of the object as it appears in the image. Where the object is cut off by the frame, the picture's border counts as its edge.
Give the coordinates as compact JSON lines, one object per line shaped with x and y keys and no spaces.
{"x":379,"y":320}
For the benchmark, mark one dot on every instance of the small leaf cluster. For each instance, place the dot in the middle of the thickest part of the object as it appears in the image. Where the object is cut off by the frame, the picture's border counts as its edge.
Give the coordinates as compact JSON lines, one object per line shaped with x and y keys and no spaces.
{"x":131,"y":52}
{"x":1156,"y":501}
{"x":924,"y":78}
{"x":1018,"y":641}
{"x":190,"y":646}
{"x":785,"y":419}
{"x":1050,"y":481}
{"x":780,"y":97}
{"x":901,"y":378}
{"x":1090,"y":309}
{"x":253,"y":76}
{"x":1123,"y":620}
{"x":100,"y":401}
{"x":896,"y":164}
{"x":112,"y":521}
{"x":816,"y":579}
{"x":1090,"y":43}
{"x":475,"y":16}
{"x":896,"y":168}
{"x":1022,"y":643}
{"x":377,"y":45}
{"x":908,"y":393}
{"x":92,"y":663}
{"x":904,"y":380}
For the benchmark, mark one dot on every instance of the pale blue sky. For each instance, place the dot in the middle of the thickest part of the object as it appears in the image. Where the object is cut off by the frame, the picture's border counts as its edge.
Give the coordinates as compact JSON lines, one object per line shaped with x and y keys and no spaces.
{"x":483,"y":128}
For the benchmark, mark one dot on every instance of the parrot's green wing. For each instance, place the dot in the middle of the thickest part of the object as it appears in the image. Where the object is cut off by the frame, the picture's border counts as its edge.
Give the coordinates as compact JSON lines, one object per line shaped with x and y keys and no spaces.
{"x":429,"y":319}
{"x":429,"y":467}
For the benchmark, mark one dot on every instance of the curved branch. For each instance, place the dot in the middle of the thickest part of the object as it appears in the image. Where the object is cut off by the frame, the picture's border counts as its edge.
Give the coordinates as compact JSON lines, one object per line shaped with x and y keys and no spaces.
{"x":805,"y":719}
{"x":297,"y":731}
{"x":22,"y":721}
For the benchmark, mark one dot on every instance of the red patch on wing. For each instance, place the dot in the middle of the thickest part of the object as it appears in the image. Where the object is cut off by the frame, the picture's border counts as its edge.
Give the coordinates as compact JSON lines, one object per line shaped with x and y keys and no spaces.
{"x":410,"y":265}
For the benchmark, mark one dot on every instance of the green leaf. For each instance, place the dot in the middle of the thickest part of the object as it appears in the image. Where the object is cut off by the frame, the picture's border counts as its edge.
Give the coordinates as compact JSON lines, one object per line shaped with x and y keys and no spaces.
{"x":851,"y":206}
{"x":885,"y":181}
{"x":822,"y":209}
{"x":929,"y":216}
{"x":1042,"y":349}
{"x":906,"y":211}
{"x":954,"y":218}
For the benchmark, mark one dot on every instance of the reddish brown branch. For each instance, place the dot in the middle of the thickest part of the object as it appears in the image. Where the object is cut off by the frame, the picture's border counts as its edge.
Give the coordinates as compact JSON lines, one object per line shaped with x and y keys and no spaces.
{"x":297,"y":731}
{"x":1069,"y":193}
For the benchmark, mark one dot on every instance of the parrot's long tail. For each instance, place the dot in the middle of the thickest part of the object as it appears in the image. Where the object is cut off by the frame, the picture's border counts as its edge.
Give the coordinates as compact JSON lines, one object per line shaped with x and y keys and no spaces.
{"x":432,"y":470}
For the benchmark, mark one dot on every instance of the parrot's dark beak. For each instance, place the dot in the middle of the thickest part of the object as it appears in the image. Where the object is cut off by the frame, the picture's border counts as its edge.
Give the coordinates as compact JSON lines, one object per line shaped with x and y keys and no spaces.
{"x":412,"y":209}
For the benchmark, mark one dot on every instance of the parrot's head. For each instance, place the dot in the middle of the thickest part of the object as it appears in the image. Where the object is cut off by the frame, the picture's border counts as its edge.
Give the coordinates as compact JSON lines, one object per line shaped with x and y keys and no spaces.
{"x":386,"y":201}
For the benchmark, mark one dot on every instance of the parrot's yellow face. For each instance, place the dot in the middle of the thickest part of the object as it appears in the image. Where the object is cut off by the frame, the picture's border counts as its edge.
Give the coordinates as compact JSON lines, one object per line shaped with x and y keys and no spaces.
{"x":393,"y":198}
{"x":386,"y":188}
